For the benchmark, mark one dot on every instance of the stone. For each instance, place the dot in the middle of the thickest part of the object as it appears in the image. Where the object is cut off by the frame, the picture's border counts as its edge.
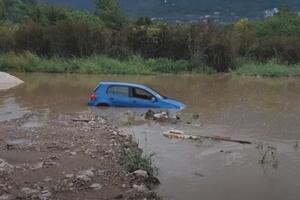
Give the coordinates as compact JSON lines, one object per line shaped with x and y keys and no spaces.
{"x":176,"y":132}
{"x":85,"y":175}
{"x":36,"y":166}
{"x":141,"y":174}
{"x":6,"y":197}
{"x":83,"y":178}
{"x":5,"y":167}
{"x":48,"y":179}
{"x":88,"y":173}
{"x":29,"y":191}
{"x":45,"y":195}
{"x":8,"y":81}
{"x":69,"y":175}
{"x":96,"y":186}
{"x":162,"y":115}
{"x":72,"y":153}
{"x":140,"y":188}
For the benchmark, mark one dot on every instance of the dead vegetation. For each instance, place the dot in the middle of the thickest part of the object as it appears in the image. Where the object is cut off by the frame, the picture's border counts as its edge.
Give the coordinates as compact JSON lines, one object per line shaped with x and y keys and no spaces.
{"x":268,"y":155}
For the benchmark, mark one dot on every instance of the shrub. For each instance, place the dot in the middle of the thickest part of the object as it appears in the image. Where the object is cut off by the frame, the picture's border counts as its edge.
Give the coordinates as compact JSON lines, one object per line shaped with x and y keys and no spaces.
{"x":26,"y":62}
{"x":134,"y":159}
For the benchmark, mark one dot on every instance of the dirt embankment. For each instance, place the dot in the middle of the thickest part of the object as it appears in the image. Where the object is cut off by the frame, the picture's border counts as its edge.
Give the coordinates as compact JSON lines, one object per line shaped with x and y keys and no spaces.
{"x":66,"y":157}
{"x":8,"y":81}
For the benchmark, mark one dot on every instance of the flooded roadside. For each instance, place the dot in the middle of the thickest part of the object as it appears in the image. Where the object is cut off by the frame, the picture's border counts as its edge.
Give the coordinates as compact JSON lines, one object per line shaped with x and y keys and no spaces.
{"x":265,"y":111}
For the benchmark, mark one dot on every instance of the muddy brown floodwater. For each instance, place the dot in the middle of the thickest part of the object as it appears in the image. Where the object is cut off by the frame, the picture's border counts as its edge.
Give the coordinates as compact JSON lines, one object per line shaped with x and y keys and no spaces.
{"x":262,"y":110}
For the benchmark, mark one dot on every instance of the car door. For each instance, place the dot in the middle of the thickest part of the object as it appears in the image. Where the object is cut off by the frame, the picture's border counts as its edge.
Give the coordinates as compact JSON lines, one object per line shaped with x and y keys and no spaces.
{"x":142,"y":98}
{"x":119,"y":96}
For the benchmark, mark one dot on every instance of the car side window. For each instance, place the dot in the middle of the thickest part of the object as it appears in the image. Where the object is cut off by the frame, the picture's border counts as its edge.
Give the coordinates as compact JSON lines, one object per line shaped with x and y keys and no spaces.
{"x":141,"y":94}
{"x":118,"y":91}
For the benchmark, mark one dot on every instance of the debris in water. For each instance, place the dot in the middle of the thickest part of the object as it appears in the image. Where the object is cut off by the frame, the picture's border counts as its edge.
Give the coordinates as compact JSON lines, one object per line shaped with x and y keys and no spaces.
{"x":161,"y":116}
{"x":199,"y":174}
{"x":179,"y":135}
{"x":296,"y":146}
{"x":196,"y":116}
{"x":265,"y":151}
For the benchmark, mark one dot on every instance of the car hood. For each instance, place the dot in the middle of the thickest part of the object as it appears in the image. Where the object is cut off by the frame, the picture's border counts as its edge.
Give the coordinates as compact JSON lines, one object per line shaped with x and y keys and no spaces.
{"x":176,"y":103}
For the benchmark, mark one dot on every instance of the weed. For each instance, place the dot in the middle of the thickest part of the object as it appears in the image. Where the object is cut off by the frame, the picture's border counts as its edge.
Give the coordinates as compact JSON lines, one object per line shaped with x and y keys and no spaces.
{"x":268,"y":155}
{"x":134,"y":159}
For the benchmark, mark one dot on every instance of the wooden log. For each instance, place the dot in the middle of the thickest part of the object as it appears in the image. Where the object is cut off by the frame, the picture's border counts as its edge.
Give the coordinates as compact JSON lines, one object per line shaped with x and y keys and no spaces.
{"x":173,"y":135}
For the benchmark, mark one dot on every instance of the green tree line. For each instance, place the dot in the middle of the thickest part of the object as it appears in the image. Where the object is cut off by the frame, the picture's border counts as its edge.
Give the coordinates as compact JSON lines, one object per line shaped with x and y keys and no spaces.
{"x":50,"y":31}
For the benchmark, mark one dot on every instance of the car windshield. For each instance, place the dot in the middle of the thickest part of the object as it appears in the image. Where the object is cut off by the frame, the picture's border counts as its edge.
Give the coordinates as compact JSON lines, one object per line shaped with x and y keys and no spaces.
{"x":157,"y":94}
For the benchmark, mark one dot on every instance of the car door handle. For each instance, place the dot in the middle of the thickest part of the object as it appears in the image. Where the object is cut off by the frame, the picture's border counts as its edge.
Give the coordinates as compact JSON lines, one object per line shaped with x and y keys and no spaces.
{"x":134,"y":101}
{"x":111,"y":98}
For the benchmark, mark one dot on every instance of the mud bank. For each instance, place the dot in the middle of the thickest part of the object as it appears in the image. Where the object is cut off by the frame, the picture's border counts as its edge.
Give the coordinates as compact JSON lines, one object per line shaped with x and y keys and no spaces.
{"x":67,"y":157}
{"x":8,"y":81}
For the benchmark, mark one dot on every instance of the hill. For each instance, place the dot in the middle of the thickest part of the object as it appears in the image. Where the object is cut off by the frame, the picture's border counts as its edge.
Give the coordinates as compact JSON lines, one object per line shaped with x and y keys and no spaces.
{"x":190,"y":9}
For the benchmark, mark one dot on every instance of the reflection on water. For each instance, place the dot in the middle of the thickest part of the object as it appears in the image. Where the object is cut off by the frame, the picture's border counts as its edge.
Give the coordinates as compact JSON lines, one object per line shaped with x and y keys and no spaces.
{"x":261,"y":110}
{"x":10,"y":109}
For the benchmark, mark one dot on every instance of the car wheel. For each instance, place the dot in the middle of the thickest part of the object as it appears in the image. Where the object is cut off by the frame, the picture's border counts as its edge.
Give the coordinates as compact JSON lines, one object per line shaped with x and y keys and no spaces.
{"x":103,"y":105}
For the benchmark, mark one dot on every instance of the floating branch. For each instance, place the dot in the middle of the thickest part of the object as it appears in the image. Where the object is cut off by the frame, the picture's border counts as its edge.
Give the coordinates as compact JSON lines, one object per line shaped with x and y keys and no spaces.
{"x":179,"y":135}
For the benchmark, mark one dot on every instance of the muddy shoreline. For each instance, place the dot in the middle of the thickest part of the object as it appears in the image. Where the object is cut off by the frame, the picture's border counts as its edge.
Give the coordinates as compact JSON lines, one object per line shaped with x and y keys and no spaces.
{"x":67,"y":157}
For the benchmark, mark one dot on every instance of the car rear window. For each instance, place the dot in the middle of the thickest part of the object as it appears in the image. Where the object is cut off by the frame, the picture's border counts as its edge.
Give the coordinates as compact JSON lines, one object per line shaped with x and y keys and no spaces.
{"x":118,"y":91}
{"x":98,"y":86}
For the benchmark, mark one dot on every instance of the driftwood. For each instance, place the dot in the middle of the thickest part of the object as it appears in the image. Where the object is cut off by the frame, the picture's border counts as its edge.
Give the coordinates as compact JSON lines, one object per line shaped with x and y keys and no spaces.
{"x":179,"y":135}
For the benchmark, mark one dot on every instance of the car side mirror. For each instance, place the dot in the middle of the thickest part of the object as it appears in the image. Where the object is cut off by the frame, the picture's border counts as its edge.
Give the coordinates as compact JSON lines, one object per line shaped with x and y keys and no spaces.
{"x":153,"y":99}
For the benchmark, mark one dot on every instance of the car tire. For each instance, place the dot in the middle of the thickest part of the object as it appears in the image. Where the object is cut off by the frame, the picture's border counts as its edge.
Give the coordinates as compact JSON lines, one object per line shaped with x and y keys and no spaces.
{"x":103,"y":105}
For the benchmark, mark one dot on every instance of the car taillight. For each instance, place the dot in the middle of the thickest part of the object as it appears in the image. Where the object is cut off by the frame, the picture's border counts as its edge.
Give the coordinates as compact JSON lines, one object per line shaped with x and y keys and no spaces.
{"x":93,"y":96}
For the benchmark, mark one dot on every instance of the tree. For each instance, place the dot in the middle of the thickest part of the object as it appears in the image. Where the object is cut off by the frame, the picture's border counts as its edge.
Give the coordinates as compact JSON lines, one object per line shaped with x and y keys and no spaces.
{"x":15,"y":10}
{"x":285,"y":23}
{"x":110,"y":12}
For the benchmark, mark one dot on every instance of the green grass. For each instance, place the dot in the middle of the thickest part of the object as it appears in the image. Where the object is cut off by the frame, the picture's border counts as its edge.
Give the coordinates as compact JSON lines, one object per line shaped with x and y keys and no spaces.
{"x":134,"y":159}
{"x":28,"y":62}
{"x":101,"y":64}
{"x":270,"y":69}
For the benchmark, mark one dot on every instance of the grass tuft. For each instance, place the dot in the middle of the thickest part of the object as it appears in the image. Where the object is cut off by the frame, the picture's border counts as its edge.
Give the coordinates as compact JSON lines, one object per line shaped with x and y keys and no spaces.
{"x":98,"y":64}
{"x":134,"y":159}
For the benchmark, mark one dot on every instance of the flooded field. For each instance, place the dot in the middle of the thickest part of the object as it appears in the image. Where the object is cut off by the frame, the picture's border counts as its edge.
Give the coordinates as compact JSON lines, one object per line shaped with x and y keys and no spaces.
{"x":263,"y":111}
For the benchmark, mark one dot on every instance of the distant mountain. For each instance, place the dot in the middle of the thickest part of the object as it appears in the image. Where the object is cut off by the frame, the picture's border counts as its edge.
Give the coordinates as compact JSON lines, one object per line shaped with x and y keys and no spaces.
{"x":78,"y":4}
{"x":190,"y":9}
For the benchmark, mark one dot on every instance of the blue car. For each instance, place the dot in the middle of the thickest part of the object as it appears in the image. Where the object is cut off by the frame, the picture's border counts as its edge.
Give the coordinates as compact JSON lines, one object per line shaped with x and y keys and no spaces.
{"x":120,"y":94}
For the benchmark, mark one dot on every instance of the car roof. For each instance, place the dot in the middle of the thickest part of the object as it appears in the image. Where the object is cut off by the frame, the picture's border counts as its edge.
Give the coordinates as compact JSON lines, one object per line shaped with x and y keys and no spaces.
{"x":124,"y":84}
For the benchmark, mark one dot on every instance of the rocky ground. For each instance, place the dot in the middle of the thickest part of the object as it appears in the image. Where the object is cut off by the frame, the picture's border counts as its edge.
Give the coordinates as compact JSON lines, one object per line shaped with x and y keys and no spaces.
{"x":67,"y":157}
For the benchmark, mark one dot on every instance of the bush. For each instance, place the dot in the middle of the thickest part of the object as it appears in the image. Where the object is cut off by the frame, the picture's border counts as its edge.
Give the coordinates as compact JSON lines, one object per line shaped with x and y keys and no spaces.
{"x":284,"y":23}
{"x":7,"y":37}
{"x":134,"y":159}
{"x":26,"y":62}
{"x":273,"y":68}
{"x":286,"y":49}
{"x":216,"y":46}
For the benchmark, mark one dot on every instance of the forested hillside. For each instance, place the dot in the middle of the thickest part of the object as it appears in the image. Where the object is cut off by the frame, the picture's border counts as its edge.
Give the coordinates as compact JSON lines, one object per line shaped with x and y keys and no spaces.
{"x":190,"y":9}
{"x":39,"y":37}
